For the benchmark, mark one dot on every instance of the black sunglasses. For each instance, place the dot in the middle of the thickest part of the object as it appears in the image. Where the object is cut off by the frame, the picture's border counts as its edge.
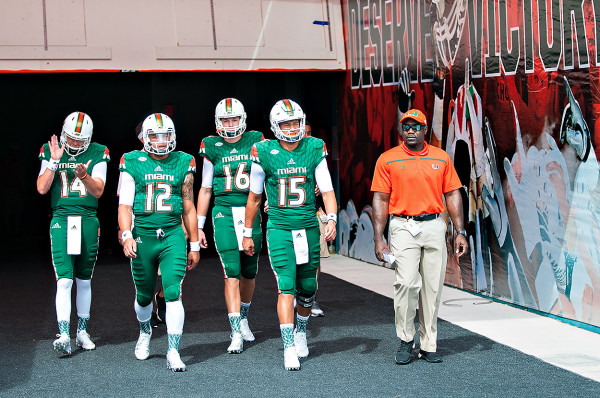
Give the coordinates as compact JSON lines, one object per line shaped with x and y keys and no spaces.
{"x":415,"y":127}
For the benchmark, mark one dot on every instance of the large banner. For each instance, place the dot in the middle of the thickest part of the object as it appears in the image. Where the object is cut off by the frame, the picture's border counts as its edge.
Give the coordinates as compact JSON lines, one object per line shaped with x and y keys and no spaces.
{"x":512,"y":93}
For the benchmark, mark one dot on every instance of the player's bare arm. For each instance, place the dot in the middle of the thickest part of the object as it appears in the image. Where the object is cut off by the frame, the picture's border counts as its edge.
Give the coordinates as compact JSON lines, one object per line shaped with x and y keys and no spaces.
{"x":204,"y":197}
{"x":381,"y":202}
{"x":190,"y":220}
{"x":44,"y":181}
{"x":129,"y":245}
{"x":455,"y":208}
{"x":330,"y":203}
{"x":252,"y":209}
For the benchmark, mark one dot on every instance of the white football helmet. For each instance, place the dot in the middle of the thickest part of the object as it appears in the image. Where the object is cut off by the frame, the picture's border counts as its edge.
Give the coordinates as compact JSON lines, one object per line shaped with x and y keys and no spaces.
{"x":226,"y":108}
{"x":77,"y":126}
{"x":284,"y":111}
{"x":158,"y":133}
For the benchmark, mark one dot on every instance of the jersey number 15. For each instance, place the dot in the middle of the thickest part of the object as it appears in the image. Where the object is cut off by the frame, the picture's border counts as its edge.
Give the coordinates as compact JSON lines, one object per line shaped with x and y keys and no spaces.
{"x":291,"y":193}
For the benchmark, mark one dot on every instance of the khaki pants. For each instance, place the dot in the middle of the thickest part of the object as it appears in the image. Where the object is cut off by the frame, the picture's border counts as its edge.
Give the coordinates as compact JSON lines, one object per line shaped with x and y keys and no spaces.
{"x":420,"y":268}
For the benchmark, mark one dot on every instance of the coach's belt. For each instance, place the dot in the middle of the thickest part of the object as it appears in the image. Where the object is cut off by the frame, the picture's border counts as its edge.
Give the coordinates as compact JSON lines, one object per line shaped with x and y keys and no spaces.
{"x":420,"y":217}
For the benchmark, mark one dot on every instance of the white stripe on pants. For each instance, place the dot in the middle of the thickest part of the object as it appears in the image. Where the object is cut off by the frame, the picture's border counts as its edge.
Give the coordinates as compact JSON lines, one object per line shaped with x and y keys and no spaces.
{"x":420,"y":270}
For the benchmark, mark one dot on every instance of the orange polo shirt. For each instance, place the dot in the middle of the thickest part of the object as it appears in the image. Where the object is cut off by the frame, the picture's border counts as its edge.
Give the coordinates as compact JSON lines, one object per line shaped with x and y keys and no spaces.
{"x":416,"y":181}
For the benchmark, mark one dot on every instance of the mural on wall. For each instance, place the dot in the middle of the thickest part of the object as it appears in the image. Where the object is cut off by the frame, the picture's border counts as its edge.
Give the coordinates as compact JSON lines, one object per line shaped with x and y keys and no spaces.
{"x":511,"y":91}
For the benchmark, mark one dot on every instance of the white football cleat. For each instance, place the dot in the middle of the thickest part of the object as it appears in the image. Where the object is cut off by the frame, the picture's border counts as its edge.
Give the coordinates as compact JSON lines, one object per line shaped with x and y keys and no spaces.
{"x":290,"y":359}
{"x":62,"y":345}
{"x":83,"y":341}
{"x":245,"y":329}
{"x":237,"y":344}
{"x":301,"y":344}
{"x":174,"y":362}
{"x":142,"y":347}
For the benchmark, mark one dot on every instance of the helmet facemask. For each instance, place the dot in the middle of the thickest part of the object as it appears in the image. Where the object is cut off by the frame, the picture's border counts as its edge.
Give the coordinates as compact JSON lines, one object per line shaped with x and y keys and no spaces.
{"x":77,"y":127}
{"x":74,"y":150}
{"x":230,"y":108}
{"x":158,"y":133}
{"x":233,"y":131}
{"x":286,"y":111}
{"x":291,"y":134}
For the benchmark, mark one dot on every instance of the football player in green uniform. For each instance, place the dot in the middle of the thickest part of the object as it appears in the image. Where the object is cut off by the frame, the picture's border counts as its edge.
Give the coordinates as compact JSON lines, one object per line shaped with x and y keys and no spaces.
{"x":74,"y":172}
{"x":226,"y":173}
{"x":157,"y":187}
{"x":290,"y":168}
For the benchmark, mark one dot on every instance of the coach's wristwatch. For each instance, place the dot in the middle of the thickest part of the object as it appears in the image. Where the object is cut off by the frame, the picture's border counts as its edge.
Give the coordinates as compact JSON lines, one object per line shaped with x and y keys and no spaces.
{"x":462,"y":232}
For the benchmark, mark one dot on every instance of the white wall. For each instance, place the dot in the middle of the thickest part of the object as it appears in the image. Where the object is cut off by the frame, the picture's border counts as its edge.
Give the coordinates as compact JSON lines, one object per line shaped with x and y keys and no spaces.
{"x":167,"y":35}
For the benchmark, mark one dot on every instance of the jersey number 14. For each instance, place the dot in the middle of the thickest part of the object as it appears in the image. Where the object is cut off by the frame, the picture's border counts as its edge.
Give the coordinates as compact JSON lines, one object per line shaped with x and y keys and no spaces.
{"x":75,"y":186}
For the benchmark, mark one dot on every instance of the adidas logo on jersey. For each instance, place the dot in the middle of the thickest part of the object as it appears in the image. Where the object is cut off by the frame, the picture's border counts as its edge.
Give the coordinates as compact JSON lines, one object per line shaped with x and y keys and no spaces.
{"x":219,"y":215}
{"x":158,"y":168}
{"x":74,"y":227}
{"x":291,"y":161}
{"x":274,"y":152}
{"x":240,"y":222}
{"x":234,"y":151}
{"x":138,"y":240}
{"x":55,"y":226}
{"x":72,"y":159}
{"x":298,"y":235}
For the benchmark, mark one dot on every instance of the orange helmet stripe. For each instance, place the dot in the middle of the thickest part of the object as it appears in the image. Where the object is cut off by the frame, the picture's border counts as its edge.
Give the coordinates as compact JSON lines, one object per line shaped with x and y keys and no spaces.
{"x":159,"y":120}
{"x":288,"y":107}
{"x":228,"y":105}
{"x":79,"y":124}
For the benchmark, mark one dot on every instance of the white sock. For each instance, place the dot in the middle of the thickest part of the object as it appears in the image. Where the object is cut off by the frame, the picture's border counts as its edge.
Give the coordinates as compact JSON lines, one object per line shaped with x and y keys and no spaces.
{"x":175,"y":317}
{"x":84,"y":297}
{"x":63,"y":299}
{"x":143,"y":313}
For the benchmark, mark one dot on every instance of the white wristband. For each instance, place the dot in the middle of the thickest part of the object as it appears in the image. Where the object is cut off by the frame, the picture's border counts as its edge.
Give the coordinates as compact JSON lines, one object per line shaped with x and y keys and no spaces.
{"x":201,"y":221}
{"x":195,"y":246}
{"x":247,"y":232}
{"x":53,"y":165}
{"x":332,"y":217}
{"x":126,"y":235}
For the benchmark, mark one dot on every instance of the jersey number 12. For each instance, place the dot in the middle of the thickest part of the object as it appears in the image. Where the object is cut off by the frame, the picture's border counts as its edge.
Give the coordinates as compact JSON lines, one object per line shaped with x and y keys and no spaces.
{"x":163,"y":193}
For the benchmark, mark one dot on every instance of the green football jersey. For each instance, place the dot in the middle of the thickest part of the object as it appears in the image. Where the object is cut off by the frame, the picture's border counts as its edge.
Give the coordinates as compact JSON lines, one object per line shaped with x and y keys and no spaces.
{"x":231,"y":178}
{"x":157,"y":202}
{"x":290,"y":181}
{"x":68,"y":194}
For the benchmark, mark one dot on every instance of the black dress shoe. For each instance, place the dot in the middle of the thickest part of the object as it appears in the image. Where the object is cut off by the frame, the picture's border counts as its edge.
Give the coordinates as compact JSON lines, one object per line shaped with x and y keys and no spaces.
{"x":432,"y":357}
{"x":403,"y":355}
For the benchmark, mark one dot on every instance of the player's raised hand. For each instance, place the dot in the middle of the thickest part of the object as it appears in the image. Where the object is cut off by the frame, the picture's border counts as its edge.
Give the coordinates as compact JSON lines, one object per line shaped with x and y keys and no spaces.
{"x":81,"y":169}
{"x":56,"y":151}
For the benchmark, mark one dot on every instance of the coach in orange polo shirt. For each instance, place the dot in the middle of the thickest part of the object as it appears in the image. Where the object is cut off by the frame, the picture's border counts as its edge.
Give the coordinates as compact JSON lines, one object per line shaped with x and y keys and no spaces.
{"x":410,"y":184}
